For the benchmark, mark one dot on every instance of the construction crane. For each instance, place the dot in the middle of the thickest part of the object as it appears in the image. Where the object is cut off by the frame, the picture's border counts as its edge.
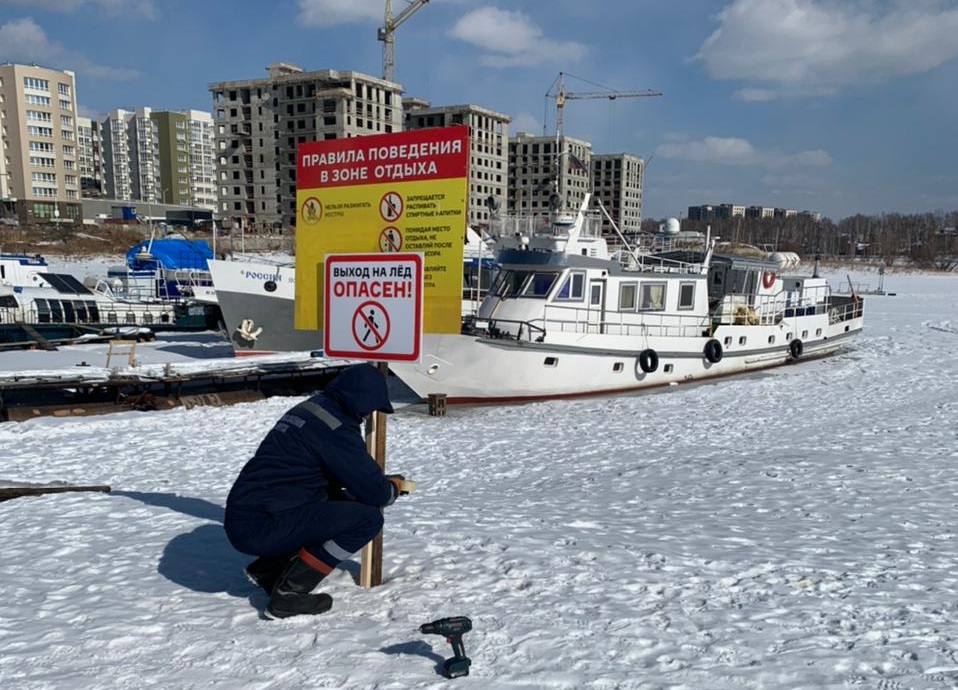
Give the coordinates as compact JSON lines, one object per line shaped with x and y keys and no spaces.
{"x":557,"y":91}
{"x":385,"y":34}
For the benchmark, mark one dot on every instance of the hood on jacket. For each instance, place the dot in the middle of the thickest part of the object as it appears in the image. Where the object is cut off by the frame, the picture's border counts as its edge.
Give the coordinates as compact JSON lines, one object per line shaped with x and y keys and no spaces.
{"x":360,"y":389}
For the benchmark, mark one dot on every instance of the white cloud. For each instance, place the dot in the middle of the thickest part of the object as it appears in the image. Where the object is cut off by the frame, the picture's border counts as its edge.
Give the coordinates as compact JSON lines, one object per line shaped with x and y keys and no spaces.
{"x":797,"y":47}
{"x":510,"y":39}
{"x":729,"y":150}
{"x":737,"y":151}
{"x":334,"y":12}
{"x":525,"y":122}
{"x":146,"y":8}
{"x":22,"y":40}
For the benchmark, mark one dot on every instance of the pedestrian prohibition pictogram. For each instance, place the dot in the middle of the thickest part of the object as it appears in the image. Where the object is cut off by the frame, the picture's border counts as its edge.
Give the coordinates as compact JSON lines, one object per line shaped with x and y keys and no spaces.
{"x":391,"y":206}
{"x":371,"y":326}
{"x":372,"y":306}
{"x":390,"y":240}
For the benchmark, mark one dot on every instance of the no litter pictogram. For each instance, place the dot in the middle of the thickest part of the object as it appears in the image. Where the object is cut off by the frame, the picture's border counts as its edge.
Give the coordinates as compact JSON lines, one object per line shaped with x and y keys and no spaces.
{"x":390,"y":240}
{"x":371,"y":326}
{"x":391,"y":206}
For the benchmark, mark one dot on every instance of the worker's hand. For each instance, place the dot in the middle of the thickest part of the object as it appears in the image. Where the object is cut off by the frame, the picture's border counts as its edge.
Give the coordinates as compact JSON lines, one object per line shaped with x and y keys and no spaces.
{"x":399,"y":484}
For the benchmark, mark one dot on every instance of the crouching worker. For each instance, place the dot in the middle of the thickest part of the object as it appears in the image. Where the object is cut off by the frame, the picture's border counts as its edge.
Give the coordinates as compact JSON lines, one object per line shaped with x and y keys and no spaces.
{"x":311,"y":495}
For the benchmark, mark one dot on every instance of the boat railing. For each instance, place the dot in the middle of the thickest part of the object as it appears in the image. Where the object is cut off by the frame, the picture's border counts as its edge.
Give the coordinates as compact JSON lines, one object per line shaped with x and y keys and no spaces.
{"x":752,"y":310}
{"x":650,"y":323}
{"x":511,"y":329}
{"x":85,"y":312}
{"x":844,"y":308}
{"x":582,"y":321}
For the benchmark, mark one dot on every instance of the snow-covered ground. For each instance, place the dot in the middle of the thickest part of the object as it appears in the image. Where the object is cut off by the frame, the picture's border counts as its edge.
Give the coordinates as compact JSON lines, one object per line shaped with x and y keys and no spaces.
{"x":793,"y":529}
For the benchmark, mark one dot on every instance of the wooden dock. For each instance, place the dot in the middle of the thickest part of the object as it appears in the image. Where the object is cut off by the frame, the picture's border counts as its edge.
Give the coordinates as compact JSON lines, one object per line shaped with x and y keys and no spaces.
{"x":82,"y":391}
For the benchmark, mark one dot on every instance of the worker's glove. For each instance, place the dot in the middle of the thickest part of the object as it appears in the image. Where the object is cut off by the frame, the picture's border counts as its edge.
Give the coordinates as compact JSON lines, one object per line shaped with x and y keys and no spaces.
{"x":397,"y":481}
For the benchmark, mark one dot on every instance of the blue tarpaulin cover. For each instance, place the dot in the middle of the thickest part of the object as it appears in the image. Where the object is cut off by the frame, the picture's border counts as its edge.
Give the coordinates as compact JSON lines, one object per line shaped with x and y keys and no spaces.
{"x":170,"y":254}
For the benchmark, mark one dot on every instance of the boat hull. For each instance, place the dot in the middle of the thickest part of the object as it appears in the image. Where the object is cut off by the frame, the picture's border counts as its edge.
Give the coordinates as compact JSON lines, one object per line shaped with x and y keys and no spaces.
{"x":486,"y":370}
{"x":257,"y":303}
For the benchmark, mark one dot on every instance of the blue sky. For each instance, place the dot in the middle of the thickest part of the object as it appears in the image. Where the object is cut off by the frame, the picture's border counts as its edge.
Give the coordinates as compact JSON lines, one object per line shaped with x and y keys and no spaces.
{"x":839,"y":106}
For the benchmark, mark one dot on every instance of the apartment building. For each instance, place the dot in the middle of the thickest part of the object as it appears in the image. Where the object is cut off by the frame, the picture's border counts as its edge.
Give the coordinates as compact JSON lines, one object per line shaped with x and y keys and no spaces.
{"x":39,"y":175}
{"x":186,"y":162}
{"x":259,"y":123}
{"x":617,"y":180}
{"x":546,"y":172}
{"x":89,"y":157}
{"x":488,"y":174}
{"x":131,"y":165}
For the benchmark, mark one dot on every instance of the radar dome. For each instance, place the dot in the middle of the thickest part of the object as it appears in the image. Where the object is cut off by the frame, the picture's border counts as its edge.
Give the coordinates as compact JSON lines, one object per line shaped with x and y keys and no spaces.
{"x":671,"y":227}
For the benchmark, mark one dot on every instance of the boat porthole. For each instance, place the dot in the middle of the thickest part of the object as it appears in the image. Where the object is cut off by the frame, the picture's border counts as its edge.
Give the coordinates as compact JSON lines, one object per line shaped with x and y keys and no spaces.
{"x":795,"y":348}
{"x":270,"y":286}
{"x":648,"y":360}
{"x":433,"y":368}
{"x":713,"y":351}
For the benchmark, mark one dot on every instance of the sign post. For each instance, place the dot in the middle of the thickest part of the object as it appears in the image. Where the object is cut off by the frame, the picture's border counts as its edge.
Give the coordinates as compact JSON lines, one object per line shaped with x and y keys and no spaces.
{"x":384,"y":193}
{"x":373,"y":310}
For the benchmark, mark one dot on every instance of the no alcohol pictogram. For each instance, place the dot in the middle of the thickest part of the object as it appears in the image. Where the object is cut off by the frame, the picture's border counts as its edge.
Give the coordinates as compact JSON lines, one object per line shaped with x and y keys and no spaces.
{"x":371,"y":326}
{"x":391,"y":206}
{"x":390,"y":240}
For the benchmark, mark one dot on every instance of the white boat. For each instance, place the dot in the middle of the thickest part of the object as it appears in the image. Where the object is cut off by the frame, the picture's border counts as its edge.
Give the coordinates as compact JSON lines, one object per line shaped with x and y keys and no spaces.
{"x":256,"y":299}
{"x":58,"y":304}
{"x":565,"y":318}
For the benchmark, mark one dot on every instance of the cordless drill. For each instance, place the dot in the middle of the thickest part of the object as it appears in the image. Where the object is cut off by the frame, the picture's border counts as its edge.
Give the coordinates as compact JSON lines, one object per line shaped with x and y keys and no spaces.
{"x":452,"y":629}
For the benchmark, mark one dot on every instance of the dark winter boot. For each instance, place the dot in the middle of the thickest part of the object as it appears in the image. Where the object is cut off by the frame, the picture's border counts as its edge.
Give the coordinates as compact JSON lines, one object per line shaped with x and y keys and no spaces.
{"x":266,"y":570}
{"x":292,"y":595}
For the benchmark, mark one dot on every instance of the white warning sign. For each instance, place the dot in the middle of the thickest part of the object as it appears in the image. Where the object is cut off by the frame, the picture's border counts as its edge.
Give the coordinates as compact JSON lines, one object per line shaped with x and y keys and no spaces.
{"x":373,"y":306}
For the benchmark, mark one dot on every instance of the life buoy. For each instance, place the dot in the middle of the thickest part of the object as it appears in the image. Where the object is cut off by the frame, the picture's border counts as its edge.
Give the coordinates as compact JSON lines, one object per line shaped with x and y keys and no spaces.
{"x":713,"y":351}
{"x":768,"y":279}
{"x":795,"y":348}
{"x":648,"y":361}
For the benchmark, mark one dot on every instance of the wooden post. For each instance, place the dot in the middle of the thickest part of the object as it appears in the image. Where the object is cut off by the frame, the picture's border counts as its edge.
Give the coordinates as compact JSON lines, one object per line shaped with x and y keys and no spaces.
{"x":371,"y":563}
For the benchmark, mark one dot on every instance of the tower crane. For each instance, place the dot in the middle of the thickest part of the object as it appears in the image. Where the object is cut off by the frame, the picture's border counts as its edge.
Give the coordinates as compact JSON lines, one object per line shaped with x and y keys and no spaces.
{"x":557,"y":91}
{"x":386,"y":31}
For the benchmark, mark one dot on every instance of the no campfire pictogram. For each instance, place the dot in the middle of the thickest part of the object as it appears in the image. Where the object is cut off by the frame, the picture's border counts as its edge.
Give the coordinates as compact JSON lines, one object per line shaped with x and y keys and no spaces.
{"x":390,"y":240}
{"x":312,"y":210}
{"x":391,"y":206}
{"x":371,"y":326}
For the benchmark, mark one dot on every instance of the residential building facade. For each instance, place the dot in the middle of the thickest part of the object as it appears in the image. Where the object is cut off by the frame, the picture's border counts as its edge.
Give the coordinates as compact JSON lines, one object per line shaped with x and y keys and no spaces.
{"x":546,"y":172}
{"x":617,"y":180}
{"x":488,"y":175}
{"x":186,"y":162}
{"x":39,"y":172}
{"x":89,"y":157}
{"x":260,"y":122}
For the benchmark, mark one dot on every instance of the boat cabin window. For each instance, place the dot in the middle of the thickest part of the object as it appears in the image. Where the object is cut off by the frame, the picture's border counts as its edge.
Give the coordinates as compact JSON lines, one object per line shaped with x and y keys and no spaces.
{"x":686,"y":295}
{"x":69,"y":315}
{"x":56,"y":312}
{"x":539,"y":285}
{"x":627,"y":296}
{"x":524,"y":283}
{"x":652,"y":296}
{"x":595,"y":292}
{"x":8,"y":301}
{"x":43,"y":311}
{"x":573,"y":287}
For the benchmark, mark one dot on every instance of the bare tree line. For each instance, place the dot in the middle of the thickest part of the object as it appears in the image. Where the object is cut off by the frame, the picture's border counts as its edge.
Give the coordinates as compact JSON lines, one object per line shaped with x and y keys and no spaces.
{"x":928,"y":240}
